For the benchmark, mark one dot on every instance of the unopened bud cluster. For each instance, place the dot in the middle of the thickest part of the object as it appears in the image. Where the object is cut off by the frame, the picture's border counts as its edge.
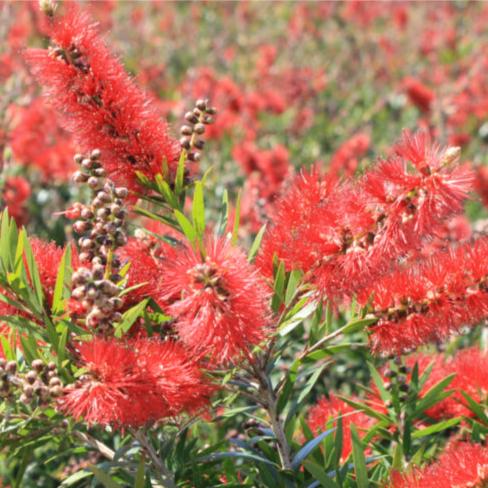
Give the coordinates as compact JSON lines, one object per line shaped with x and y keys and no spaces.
{"x":194,"y":129}
{"x":397,"y":377}
{"x":101,"y":224}
{"x":39,"y":385}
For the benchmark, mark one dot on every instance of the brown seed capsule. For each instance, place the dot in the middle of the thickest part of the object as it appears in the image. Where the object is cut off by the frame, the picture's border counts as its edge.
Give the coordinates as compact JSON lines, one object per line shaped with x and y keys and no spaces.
{"x":121,"y":192}
{"x":186,"y":130}
{"x":199,"y":144}
{"x":37,"y":365}
{"x":51,"y":366}
{"x":211,"y":110}
{"x":31,"y":377}
{"x":208,"y":120}
{"x":79,"y":177}
{"x":95,"y":154}
{"x":54,"y":381}
{"x":78,"y":158}
{"x":28,"y":390}
{"x":11,"y":367}
{"x":194,"y":156}
{"x":94,"y":182}
{"x":185,"y":142}
{"x":87,"y":164}
{"x":56,"y":390}
{"x":199,"y":128}
{"x":191,"y":117}
{"x":201,"y":104}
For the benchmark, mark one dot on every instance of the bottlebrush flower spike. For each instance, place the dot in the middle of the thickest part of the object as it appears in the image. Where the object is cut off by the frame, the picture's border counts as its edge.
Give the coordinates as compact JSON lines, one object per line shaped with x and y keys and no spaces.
{"x":461,"y":465}
{"x":133,"y":384}
{"x":333,"y":408}
{"x":219,"y":302}
{"x":430,"y":300}
{"x":352,"y":233}
{"x":100,"y":104}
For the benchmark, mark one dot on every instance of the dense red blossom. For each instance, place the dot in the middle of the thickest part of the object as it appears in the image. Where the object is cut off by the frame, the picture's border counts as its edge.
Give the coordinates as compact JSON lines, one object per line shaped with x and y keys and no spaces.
{"x":346,"y":159}
{"x":38,"y":140}
{"x":133,"y":384}
{"x":143,"y":271}
{"x":429,"y":301}
{"x":219,"y":301}
{"x":330,"y":409}
{"x":100,"y":104}
{"x":352,"y":232}
{"x":420,"y":95}
{"x":15,"y":194}
{"x":461,"y":465}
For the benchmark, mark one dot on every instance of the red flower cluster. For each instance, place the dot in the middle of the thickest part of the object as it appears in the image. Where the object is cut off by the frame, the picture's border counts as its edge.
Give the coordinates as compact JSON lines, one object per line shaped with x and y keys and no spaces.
{"x":346,"y":159}
{"x":219,"y":302}
{"x":461,"y":465}
{"x":16,"y":192}
{"x":38,"y":140}
{"x":430,"y":300}
{"x":100,"y":104}
{"x":331,"y":409}
{"x":134,"y":384}
{"x":353,"y":232}
{"x":419,"y":95}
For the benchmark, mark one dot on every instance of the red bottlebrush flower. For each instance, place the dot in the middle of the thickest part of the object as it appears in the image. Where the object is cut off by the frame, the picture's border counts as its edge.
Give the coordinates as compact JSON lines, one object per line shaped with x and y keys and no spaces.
{"x":100,"y":104}
{"x":179,"y":380}
{"x":331,"y":409}
{"x":295,"y":237}
{"x":16,"y":192}
{"x":346,"y":159}
{"x":38,"y":140}
{"x":430,"y":300}
{"x":48,"y":256}
{"x":421,"y":96}
{"x":133,"y":384}
{"x":142,"y":271}
{"x":461,"y":465}
{"x":219,"y":302}
{"x":349,"y":234}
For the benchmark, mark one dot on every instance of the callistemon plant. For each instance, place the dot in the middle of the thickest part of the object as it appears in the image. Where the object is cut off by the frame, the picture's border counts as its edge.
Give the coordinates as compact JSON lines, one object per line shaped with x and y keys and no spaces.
{"x":166,"y":340}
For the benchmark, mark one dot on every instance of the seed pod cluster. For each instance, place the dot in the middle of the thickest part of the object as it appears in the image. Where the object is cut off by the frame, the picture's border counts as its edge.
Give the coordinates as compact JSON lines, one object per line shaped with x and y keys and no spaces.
{"x":38,"y":385}
{"x":101,"y":226}
{"x":397,"y":377}
{"x":192,"y":132}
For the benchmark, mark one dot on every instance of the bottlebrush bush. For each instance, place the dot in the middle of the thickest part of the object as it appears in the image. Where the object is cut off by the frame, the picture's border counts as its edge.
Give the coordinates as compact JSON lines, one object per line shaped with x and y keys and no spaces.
{"x":325,"y":326}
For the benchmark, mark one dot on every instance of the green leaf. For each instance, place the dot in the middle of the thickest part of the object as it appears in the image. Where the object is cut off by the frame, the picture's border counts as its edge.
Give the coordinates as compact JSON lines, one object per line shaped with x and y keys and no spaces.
{"x":74,"y":478}
{"x":186,"y":226}
{"x":301,"y":455}
{"x":139,"y":479}
{"x":63,"y":280}
{"x":293,"y":281}
{"x":256,"y":244}
{"x":433,"y":395}
{"x":165,"y":190}
{"x":198,"y":210}
{"x":279,"y":287}
{"x":359,"y":459}
{"x":438,"y":427}
{"x":104,"y":478}
{"x":318,"y":472}
{"x":224,"y":215}
{"x":475,"y":407}
{"x":129,"y":317}
{"x":311,"y":382}
{"x":180,"y":173}
{"x":237,"y":219}
{"x":357,"y":325}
